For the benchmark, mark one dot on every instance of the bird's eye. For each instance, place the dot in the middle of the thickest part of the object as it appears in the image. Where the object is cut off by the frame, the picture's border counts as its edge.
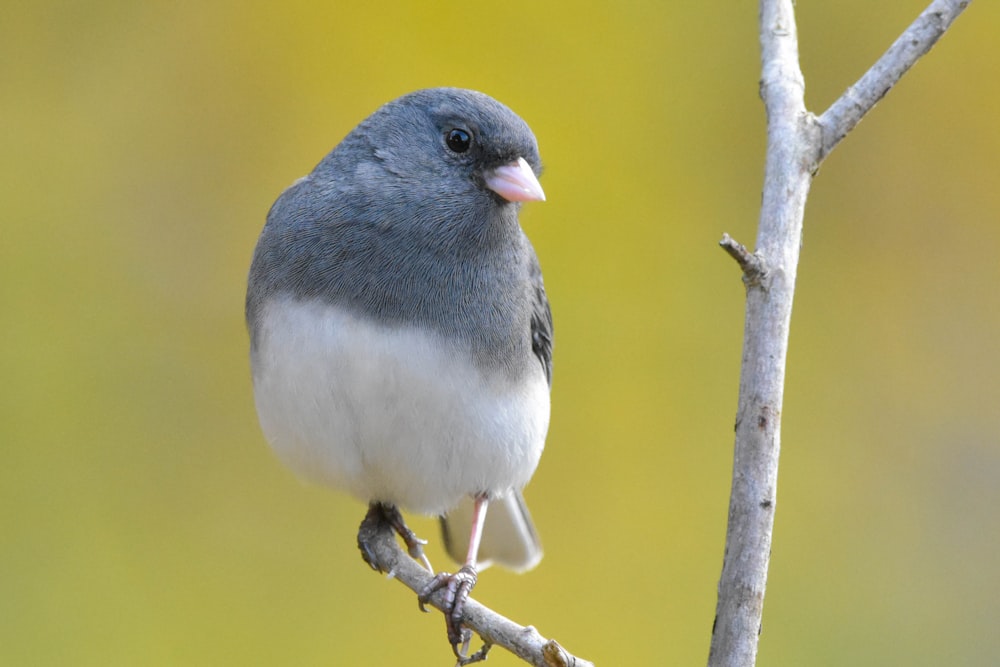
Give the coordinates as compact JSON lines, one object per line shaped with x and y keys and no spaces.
{"x":458,"y":140}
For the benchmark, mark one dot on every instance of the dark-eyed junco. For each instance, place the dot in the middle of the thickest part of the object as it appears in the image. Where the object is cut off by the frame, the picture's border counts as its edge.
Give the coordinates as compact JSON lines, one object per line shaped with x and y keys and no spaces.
{"x":401,"y":339}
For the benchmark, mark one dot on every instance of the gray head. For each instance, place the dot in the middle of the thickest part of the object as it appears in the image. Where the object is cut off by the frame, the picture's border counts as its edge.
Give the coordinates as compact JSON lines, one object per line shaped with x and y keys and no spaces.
{"x":437,"y":145}
{"x":411,"y":218}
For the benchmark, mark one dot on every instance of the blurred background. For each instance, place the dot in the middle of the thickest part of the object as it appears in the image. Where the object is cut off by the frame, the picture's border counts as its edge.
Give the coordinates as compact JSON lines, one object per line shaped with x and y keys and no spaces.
{"x":143,"y":520}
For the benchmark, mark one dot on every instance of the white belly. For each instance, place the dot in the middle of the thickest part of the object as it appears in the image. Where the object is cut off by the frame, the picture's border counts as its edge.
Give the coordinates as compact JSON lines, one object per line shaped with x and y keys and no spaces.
{"x":391,"y":414}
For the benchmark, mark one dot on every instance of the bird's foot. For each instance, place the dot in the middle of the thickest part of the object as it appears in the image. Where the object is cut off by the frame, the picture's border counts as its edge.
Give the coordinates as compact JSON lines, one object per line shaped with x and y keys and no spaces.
{"x":382,"y":517}
{"x":456,"y":588}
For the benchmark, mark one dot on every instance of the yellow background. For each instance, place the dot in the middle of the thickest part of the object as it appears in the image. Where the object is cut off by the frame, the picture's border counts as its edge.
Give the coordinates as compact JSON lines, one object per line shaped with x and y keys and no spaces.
{"x":143,"y":520}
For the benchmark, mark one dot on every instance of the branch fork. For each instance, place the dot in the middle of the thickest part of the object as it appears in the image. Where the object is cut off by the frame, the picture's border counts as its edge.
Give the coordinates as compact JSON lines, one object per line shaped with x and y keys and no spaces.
{"x":797,"y":143}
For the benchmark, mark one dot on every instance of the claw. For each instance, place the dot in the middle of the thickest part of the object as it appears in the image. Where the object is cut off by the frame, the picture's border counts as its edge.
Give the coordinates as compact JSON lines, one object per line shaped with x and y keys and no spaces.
{"x":381,"y":517}
{"x":457,"y":588}
{"x":373,"y":524}
{"x":478,"y":656}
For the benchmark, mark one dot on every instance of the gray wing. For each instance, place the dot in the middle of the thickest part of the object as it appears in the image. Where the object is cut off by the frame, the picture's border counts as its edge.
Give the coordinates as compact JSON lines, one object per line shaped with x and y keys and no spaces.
{"x":541,"y":319}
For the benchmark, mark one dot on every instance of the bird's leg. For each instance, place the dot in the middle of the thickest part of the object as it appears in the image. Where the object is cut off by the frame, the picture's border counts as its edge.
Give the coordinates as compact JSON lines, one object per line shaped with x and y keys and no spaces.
{"x":380,"y":517}
{"x":457,"y":588}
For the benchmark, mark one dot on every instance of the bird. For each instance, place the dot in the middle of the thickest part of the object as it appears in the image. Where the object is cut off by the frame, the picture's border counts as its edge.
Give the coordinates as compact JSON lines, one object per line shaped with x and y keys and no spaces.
{"x":400,"y":333}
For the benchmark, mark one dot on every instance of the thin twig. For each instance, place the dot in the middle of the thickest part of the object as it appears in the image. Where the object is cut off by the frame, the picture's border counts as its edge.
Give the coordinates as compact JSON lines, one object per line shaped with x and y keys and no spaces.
{"x":860,"y":98}
{"x":752,"y":265}
{"x":524,"y":642}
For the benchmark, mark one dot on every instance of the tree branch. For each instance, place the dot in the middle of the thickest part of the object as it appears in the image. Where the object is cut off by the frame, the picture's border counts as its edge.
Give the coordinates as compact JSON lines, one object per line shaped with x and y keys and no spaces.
{"x":860,"y":98}
{"x":752,"y":265}
{"x":524,"y":642}
{"x":789,"y":166}
{"x":796,"y":144}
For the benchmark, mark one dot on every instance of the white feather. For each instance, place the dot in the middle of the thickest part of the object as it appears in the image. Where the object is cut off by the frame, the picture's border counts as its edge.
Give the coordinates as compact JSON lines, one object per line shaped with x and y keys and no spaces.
{"x":394,"y":414}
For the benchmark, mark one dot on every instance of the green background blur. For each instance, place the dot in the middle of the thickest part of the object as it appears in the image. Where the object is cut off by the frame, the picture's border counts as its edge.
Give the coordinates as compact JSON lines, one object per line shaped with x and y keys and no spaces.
{"x":143,"y":521}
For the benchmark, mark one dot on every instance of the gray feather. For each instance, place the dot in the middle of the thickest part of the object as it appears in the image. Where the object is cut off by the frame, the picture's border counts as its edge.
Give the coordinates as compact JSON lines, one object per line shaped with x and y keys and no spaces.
{"x":394,"y":226}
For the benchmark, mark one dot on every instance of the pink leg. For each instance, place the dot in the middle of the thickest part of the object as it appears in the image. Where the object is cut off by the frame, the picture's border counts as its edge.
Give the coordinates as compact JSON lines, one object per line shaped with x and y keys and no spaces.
{"x":476,"y":536}
{"x":457,"y":588}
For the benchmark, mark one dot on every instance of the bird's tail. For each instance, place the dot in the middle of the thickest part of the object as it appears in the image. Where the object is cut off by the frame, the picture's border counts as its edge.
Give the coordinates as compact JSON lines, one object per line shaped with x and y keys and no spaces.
{"x":509,"y":537}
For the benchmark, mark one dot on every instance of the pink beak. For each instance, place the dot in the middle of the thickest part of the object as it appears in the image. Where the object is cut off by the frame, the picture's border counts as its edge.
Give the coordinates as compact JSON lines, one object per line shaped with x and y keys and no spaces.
{"x":515,"y":182}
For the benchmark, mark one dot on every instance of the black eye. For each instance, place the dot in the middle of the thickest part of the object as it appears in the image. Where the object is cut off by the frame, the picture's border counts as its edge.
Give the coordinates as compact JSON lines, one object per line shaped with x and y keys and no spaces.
{"x":458,"y":140}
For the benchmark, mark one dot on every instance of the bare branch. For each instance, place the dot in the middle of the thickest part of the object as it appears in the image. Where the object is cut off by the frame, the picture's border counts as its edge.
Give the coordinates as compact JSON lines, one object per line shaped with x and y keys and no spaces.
{"x":524,"y":642}
{"x":860,"y":98}
{"x":789,"y":165}
{"x":796,"y":144}
{"x":752,"y":265}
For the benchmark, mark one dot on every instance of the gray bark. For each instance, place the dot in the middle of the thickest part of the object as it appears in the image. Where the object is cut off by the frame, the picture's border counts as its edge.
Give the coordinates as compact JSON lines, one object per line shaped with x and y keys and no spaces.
{"x":797,"y":142}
